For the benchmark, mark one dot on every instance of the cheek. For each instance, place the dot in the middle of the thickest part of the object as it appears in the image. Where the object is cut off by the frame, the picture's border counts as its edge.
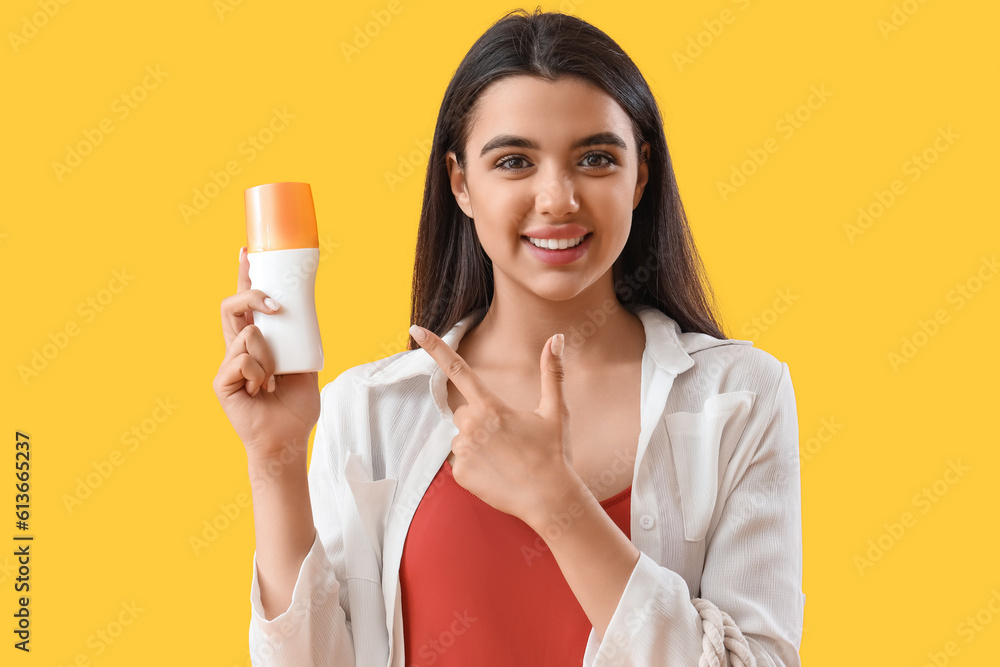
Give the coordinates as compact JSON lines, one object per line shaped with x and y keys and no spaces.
{"x":500,"y":216}
{"x":500,"y":199}
{"x":498,"y":230}
{"x":611,"y":204}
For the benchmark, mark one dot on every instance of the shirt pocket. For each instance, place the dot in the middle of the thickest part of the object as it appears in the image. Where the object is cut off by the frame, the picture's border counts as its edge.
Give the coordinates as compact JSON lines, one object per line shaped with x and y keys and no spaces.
{"x":698,"y":441}
{"x":365,"y":515}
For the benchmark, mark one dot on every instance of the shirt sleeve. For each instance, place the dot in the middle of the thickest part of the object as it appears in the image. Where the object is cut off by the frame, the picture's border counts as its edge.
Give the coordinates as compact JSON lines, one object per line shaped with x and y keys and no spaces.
{"x":752,"y":603}
{"x":316,"y":628}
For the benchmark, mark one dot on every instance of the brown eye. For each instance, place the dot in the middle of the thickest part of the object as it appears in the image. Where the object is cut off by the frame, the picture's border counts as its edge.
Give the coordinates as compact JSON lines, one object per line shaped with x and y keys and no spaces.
{"x":603,"y":156}
{"x":507,"y":160}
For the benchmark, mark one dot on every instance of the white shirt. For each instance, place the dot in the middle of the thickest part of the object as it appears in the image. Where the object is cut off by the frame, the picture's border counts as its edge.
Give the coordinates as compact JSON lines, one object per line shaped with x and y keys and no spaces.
{"x":715,"y":510}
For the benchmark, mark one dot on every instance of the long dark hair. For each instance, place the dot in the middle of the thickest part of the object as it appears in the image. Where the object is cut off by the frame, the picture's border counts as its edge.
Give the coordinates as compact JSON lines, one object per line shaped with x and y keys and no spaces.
{"x":659,"y":265}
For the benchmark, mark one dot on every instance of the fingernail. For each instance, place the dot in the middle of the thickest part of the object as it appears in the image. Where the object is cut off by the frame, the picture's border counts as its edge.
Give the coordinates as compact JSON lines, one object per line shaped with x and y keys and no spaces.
{"x":271,"y":303}
{"x":270,"y":384}
{"x":242,"y":248}
{"x":418,"y":333}
{"x":557,"y":346}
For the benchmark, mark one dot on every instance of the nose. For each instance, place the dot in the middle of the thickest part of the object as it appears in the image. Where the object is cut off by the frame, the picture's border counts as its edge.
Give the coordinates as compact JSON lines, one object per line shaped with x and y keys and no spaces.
{"x":556,"y":194}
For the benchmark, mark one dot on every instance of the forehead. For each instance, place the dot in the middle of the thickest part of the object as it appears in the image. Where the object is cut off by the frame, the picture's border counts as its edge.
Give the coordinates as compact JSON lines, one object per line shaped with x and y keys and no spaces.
{"x":546,"y":110}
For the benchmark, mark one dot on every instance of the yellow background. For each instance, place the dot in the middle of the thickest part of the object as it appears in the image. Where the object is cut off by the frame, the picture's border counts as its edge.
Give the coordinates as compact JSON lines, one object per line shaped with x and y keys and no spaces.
{"x":848,"y":303}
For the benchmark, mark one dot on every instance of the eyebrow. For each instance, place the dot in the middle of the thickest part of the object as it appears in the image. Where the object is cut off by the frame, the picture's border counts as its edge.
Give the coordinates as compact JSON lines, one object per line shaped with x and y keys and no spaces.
{"x":513,"y":141}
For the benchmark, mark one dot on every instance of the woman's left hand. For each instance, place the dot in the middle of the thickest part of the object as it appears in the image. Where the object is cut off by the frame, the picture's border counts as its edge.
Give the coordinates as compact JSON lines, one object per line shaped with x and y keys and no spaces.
{"x":517,"y":461}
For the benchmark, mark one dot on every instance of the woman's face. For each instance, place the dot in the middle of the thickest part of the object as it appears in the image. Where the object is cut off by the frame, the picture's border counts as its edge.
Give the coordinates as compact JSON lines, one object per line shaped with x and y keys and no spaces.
{"x":550,"y":160}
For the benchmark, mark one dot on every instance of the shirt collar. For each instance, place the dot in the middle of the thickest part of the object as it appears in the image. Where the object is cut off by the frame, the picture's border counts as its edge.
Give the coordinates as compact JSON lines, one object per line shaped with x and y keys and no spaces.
{"x":663,"y":344}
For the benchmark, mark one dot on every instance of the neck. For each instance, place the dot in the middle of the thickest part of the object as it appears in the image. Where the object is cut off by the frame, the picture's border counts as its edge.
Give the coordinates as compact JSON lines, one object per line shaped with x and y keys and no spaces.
{"x":598,"y":330}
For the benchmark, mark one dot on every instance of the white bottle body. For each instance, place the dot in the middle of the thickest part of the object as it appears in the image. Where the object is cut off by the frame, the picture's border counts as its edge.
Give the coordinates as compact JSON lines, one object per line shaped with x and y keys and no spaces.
{"x":292,"y":333}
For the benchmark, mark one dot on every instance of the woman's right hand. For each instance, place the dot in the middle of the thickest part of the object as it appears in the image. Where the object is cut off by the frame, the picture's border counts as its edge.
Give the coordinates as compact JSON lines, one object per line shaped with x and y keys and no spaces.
{"x":268,"y":412}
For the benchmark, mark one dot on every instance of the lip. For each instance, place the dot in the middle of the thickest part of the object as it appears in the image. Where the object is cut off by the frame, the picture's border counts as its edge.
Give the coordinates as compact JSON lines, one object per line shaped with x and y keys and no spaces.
{"x":560,"y":232}
{"x":559,"y":257}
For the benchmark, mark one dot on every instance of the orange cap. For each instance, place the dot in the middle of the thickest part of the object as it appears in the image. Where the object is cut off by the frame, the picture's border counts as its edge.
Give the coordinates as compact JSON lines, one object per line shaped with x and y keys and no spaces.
{"x":280,"y":216}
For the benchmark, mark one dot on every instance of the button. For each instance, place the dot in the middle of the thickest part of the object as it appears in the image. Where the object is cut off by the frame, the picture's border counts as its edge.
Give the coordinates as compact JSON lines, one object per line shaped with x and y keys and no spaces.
{"x":646,"y":521}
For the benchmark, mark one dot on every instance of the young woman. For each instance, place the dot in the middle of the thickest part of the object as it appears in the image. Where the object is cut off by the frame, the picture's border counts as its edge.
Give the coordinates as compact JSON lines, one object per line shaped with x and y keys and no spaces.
{"x":572,"y":464}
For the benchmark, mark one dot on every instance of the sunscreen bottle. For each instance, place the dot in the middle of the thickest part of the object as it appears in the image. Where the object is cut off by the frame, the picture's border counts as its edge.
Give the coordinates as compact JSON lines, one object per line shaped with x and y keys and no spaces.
{"x":283,"y":251}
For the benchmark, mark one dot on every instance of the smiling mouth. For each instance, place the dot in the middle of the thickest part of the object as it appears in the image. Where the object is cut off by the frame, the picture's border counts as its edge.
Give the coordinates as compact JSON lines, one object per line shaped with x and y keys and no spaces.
{"x":557,"y":244}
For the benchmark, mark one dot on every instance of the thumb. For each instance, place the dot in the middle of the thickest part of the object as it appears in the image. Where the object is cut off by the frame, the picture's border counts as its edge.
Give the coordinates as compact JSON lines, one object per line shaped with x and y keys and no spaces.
{"x":553,"y":402}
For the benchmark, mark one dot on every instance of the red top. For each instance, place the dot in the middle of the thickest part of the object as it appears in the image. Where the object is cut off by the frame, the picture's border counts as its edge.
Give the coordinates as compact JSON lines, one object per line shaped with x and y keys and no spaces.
{"x":479,"y":587}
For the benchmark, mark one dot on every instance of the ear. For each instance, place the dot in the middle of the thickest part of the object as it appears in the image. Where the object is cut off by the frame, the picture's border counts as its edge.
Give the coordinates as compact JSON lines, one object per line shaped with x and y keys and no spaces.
{"x":642,"y":176}
{"x":458,"y":185}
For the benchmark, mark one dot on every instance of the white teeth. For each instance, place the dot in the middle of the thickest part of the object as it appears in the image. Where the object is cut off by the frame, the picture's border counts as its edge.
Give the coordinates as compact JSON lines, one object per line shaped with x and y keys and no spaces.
{"x":556,"y":244}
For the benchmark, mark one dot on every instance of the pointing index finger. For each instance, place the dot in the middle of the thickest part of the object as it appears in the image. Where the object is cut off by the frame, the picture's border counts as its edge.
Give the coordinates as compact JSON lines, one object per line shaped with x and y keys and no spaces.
{"x":453,"y":365}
